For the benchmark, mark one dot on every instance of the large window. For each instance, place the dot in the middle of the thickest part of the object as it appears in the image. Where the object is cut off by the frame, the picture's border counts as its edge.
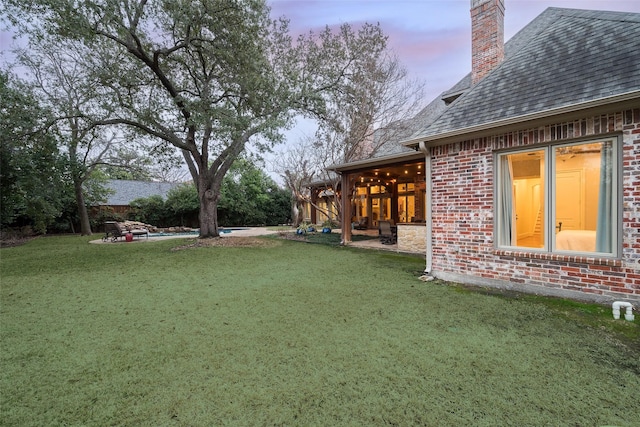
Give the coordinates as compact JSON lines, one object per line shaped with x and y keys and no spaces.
{"x":560,"y":198}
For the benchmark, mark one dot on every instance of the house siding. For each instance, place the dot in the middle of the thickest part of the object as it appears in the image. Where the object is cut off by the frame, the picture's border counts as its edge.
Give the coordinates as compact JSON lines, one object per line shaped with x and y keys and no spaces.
{"x":463,"y":217}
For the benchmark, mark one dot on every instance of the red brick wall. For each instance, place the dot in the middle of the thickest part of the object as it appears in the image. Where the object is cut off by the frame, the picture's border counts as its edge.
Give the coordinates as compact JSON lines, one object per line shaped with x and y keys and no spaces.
{"x":462,"y":209}
{"x":487,"y":37}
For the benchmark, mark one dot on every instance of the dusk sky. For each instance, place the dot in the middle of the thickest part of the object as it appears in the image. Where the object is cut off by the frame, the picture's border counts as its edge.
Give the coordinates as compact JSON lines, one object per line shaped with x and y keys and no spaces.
{"x":431,"y":37}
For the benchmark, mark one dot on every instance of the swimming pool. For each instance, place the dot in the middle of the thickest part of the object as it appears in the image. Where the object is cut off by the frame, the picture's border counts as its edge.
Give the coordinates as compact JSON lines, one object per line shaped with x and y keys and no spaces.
{"x":229,"y":230}
{"x":195,"y":232}
{"x":181,"y":233}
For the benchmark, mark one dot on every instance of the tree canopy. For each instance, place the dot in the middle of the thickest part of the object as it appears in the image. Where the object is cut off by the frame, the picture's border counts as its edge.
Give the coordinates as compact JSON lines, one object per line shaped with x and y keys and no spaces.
{"x":205,"y":76}
{"x":32,"y":171}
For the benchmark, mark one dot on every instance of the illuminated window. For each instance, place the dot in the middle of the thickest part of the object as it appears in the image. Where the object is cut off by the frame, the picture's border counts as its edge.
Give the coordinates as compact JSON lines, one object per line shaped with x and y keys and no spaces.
{"x":378,"y":189}
{"x":406,"y":202}
{"x":408,"y":187}
{"x":559,"y":198}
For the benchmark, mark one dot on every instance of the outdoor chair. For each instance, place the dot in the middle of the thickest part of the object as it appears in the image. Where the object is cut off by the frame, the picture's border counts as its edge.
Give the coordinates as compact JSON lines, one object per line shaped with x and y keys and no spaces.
{"x":387,"y":234}
{"x":362,"y":224}
{"x":113,"y":231}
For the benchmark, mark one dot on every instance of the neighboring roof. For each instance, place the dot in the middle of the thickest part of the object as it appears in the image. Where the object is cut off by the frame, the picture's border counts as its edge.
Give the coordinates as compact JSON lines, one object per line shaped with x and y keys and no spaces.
{"x":325,"y":180}
{"x":125,"y":191}
{"x":564,"y":59}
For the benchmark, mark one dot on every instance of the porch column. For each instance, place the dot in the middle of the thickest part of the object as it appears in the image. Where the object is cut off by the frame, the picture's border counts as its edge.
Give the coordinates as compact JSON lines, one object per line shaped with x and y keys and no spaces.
{"x":428,"y":215}
{"x":345,"y":190}
{"x":314,"y":202}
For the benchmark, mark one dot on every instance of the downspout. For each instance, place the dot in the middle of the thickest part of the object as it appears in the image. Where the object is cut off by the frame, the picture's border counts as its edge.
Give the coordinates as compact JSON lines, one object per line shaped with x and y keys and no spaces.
{"x":428,"y":213}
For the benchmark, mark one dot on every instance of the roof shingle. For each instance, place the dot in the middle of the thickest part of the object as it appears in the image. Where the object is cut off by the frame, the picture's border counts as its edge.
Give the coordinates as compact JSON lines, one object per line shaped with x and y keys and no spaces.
{"x":563,"y":57}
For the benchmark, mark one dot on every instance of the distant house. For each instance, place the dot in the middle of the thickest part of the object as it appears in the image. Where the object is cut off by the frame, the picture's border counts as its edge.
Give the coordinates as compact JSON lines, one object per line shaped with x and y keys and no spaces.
{"x":529,"y":178}
{"x":125,"y":191}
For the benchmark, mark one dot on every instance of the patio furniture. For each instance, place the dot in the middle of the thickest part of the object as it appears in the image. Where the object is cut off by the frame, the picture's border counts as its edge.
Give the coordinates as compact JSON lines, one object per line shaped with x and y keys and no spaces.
{"x":362,"y":223}
{"x":388,"y":236}
{"x":113,"y":230}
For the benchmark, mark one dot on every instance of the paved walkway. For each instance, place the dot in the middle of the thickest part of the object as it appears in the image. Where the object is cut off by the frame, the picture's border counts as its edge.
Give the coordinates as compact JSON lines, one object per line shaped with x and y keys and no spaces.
{"x":262,"y":231}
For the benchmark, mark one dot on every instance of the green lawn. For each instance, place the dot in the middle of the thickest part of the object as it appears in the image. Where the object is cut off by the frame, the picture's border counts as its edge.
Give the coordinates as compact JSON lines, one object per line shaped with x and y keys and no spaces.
{"x":293,"y":334}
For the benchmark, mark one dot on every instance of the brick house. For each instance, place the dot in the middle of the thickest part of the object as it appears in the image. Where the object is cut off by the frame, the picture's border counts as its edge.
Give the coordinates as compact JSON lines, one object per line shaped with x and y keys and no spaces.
{"x":532,"y":172}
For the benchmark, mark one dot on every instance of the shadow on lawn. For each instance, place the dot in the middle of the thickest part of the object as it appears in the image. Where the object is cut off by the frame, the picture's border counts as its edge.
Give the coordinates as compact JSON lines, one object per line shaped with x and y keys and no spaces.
{"x":329,"y":239}
{"x":591,"y":315}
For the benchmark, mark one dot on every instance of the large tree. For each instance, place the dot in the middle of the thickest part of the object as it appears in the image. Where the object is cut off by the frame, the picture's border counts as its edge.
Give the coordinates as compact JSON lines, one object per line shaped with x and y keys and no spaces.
{"x":298,"y":167}
{"x":64,"y":85}
{"x":32,"y":171}
{"x":370,"y":109}
{"x":206,"y":76}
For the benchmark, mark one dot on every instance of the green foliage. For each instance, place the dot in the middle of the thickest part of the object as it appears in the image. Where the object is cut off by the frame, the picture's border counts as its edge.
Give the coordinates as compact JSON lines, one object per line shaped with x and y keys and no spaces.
{"x":182,"y":205}
{"x":103,"y":215}
{"x":330,"y":223}
{"x":250,"y":197}
{"x":126,"y":163}
{"x":209,"y":78}
{"x":180,"y":209}
{"x":304,"y":227}
{"x":95,"y":188}
{"x":150,"y":210}
{"x":33,"y":174}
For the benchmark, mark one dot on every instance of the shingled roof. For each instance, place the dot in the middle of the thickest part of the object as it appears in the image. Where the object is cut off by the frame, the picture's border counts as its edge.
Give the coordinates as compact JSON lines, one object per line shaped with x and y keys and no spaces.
{"x":427,"y":115}
{"x":125,"y":191}
{"x":565,"y":58}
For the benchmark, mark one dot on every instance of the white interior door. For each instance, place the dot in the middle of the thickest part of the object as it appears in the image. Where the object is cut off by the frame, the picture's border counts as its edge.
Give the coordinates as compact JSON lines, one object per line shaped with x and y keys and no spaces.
{"x":570,"y":200}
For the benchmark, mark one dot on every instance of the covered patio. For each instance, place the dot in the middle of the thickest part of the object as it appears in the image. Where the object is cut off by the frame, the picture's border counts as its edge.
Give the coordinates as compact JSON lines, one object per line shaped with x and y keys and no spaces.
{"x":392,"y":189}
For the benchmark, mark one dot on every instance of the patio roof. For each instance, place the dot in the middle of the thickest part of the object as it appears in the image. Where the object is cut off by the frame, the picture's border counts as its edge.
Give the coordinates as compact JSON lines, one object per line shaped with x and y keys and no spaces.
{"x":385,"y":161}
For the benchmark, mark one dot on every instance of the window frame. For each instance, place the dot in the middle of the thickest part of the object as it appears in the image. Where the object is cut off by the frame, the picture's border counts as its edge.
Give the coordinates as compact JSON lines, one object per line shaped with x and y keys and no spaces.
{"x":549,"y":179}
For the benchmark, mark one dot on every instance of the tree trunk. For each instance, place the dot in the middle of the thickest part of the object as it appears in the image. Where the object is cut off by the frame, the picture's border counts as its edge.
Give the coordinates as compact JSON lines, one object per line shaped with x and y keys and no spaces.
{"x":208,"y":209}
{"x":294,"y":213}
{"x":300,"y":208}
{"x":83,"y":213}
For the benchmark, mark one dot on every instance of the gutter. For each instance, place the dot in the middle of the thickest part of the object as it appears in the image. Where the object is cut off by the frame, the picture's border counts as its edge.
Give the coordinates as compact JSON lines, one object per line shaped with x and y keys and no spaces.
{"x":540,"y":115}
{"x":376,"y":161}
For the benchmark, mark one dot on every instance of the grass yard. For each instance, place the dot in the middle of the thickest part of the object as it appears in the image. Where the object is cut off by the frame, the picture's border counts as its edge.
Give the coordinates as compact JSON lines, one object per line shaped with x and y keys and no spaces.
{"x":290,"y":333}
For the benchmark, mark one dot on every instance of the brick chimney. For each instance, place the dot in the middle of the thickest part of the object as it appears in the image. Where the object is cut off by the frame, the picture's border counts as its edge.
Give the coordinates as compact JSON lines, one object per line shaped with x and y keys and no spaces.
{"x":487,"y":37}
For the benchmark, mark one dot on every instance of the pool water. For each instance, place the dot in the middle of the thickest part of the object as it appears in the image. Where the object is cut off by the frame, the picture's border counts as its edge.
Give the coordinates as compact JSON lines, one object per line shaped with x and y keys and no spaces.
{"x":183,"y":233}
{"x":229,"y":230}
{"x":194,"y":232}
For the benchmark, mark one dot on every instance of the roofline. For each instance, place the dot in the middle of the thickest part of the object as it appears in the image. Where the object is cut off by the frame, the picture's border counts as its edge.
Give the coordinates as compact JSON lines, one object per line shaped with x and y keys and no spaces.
{"x":447,"y":137}
{"x":377,"y":161}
